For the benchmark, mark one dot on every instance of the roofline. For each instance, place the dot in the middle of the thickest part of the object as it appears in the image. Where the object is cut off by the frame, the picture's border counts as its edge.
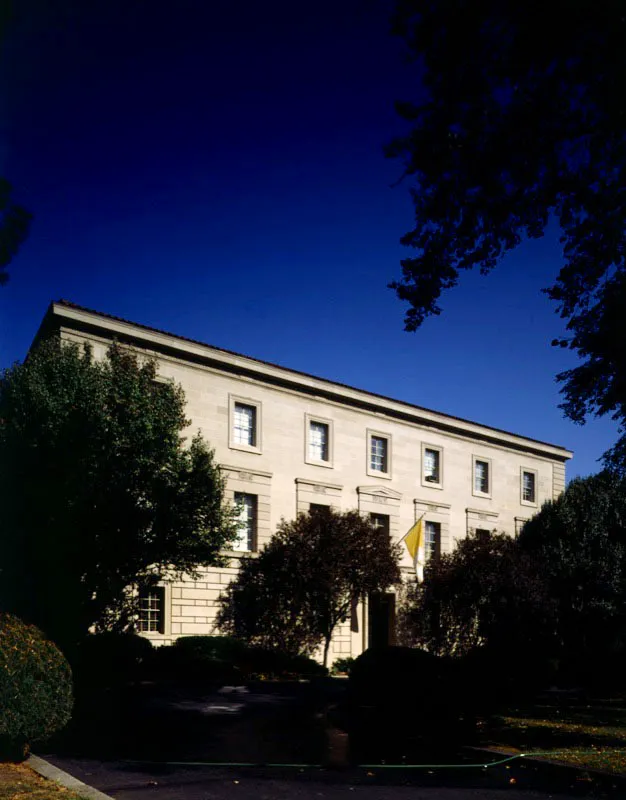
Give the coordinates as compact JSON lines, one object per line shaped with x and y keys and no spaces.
{"x":92,"y":321}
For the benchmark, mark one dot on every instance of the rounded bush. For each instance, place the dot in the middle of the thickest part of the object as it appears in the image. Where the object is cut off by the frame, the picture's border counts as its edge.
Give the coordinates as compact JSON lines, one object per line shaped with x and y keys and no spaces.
{"x":405,"y":692}
{"x":35,"y":686}
{"x":111,"y":659}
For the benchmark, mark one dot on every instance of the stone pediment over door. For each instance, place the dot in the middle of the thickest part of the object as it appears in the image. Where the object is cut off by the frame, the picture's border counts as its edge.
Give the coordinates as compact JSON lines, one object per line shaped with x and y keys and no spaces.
{"x":379,"y":491}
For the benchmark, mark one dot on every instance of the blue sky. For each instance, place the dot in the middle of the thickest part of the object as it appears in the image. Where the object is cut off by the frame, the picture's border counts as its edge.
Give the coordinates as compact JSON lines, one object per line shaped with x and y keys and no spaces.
{"x":216,"y":170}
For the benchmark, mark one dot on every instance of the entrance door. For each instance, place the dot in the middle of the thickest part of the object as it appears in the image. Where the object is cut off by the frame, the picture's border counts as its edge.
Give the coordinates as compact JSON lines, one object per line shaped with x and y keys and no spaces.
{"x":381,"y":619}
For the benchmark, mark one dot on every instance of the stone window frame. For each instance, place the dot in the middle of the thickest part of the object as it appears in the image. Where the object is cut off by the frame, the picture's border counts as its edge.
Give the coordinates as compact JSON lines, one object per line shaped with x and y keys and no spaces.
{"x":308,"y":419}
{"x":166,"y":626}
{"x":426,"y":483}
{"x":257,"y":448}
{"x":374,"y":473}
{"x":488,"y":494}
{"x":532,"y":503}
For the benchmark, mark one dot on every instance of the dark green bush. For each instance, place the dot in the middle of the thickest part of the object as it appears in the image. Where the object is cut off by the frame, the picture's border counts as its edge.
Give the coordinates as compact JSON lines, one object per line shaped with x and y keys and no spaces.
{"x":489,"y":679}
{"x":35,"y":686}
{"x":406,"y":691}
{"x":342,"y":665}
{"x":199,"y":660}
{"x":261,"y":662}
{"x":111,"y":659}
{"x":222,"y":659}
{"x":222,"y":648}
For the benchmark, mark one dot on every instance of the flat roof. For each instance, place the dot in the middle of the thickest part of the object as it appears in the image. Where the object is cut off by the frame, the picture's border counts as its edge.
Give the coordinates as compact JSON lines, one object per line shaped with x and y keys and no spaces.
{"x":435,"y":418}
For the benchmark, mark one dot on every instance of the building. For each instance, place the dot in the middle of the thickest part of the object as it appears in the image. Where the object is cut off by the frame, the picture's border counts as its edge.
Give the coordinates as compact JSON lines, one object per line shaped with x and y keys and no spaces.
{"x":288,"y":441}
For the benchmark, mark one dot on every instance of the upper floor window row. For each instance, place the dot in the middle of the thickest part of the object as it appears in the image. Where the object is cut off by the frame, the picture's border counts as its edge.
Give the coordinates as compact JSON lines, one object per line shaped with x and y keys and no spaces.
{"x":245,"y":434}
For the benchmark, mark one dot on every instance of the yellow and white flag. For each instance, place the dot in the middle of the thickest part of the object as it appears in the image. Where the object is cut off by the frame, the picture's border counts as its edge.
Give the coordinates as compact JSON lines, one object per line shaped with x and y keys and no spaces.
{"x":414,"y":541}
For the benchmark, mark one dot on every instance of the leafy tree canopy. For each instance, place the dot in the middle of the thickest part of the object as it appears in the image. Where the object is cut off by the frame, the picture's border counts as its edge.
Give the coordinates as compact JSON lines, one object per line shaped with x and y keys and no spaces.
{"x":578,"y":543}
{"x":483,"y":594}
{"x":558,"y":590}
{"x":14,"y":227}
{"x":523,"y":120}
{"x":307,"y":580}
{"x":98,"y":493}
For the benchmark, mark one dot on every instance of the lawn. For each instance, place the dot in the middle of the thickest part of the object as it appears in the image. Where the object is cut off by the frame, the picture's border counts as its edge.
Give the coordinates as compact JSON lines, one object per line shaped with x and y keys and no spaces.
{"x":18,"y":781}
{"x":588,"y":734}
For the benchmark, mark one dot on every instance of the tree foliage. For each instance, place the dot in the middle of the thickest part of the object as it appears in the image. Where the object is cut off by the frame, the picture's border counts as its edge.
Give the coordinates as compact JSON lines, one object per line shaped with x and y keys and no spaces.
{"x":98,"y":493}
{"x":483,"y":594}
{"x":14,"y":227}
{"x":307,"y":580}
{"x":558,"y":590}
{"x":523,"y":119}
{"x":578,"y":542}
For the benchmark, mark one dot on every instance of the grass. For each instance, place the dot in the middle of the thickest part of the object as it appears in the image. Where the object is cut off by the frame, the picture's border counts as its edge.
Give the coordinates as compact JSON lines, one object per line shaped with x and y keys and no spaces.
{"x":18,"y":782}
{"x":587,"y":735}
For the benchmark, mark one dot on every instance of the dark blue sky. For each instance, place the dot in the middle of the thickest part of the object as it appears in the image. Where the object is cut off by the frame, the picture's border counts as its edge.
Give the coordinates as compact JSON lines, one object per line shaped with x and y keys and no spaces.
{"x":215,"y":168}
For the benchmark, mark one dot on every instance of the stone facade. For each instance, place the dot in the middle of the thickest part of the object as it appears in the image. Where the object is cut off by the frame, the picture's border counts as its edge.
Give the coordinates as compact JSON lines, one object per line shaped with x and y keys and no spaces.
{"x":483,"y":478}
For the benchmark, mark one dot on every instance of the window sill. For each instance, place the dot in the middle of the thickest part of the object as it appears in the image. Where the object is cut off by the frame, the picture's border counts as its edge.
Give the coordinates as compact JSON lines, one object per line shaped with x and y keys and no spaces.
{"x":374,"y":474}
{"x":432,"y":484}
{"x":245,"y":448}
{"x":313,"y":463}
{"x":529,"y":503}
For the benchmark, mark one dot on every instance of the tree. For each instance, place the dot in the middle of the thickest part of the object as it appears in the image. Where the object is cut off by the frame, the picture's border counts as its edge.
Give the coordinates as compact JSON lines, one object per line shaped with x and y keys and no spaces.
{"x":14,"y":227}
{"x":485,"y":594}
{"x":578,"y":542}
{"x":307,"y":580}
{"x":14,"y":220}
{"x":98,"y":493}
{"x":523,"y":120}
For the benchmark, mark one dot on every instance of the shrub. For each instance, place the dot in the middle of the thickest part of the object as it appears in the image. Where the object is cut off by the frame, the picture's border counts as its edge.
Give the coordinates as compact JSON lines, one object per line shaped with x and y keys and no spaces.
{"x":35,"y":686}
{"x":199,"y":660}
{"x":407,"y":692}
{"x":111,"y":659}
{"x":265,"y":662}
{"x":222,"y":659}
{"x":342,"y":665}
{"x":222,"y":648}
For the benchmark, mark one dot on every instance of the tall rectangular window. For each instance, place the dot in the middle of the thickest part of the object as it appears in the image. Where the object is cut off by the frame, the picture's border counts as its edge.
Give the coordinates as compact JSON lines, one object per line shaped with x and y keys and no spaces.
{"x":244,"y":424}
{"x":152,"y":610}
{"x":481,"y":476}
{"x":380,"y":521}
{"x":432,"y":472}
{"x":432,"y":539}
{"x":529,"y":490}
{"x":247,"y":506}
{"x":318,"y":441}
{"x":378,"y":454}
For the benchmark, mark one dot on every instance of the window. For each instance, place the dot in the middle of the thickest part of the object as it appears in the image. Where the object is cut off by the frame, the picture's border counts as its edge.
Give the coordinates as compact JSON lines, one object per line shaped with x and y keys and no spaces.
{"x":380,"y":521}
{"x":378,"y":463}
{"x":152,"y":610}
{"x":483,"y":533}
{"x":431,"y":465}
{"x":318,"y":508}
{"x":378,"y":454}
{"x":432,"y":540}
{"x":482,"y":477}
{"x":247,"y":505}
{"x":529,"y":486}
{"x":245,"y":424}
{"x":318,"y":441}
